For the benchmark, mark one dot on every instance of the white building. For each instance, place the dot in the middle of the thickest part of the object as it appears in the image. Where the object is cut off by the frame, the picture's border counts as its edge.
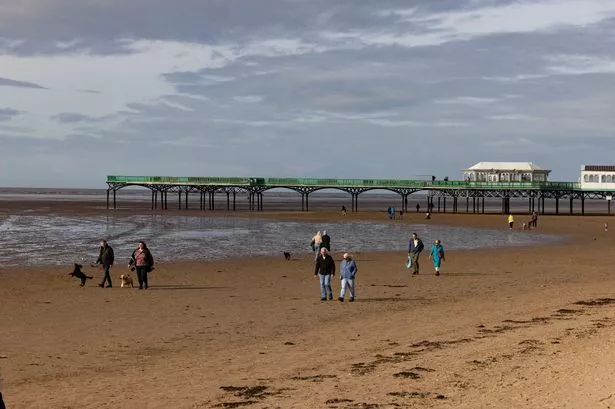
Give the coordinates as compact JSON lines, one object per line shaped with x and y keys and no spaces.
{"x":598,"y":177}
{"x":506,"y":172}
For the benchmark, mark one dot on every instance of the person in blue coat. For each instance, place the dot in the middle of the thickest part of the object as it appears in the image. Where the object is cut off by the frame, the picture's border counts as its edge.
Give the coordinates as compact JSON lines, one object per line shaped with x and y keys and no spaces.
{"x":437,"y":255}
{"x":348,"y":271}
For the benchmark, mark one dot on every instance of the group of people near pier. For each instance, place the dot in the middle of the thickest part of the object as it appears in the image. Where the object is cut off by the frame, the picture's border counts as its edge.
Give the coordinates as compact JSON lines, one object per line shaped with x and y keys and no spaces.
{"x":141,"y":261}
{"x":532,"y":223}
{"x":324,"y":264}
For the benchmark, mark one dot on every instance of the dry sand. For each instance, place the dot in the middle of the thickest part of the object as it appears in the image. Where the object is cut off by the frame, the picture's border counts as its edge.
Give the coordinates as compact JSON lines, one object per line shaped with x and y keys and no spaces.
{"x":504,"y":328}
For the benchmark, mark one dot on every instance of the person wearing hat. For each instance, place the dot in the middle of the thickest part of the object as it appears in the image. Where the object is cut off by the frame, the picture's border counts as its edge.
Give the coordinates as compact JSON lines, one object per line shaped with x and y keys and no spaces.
{"x":437,"y":255}
{"x":348,"y":271}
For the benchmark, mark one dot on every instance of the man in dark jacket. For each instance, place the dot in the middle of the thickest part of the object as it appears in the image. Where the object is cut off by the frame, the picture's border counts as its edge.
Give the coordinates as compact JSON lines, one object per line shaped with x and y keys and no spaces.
{"x":105,"y":258}
{"x":326,"y":241}
{"x":414,"y":251}
{"x":2,"y":402}
{"x":325,"y":270}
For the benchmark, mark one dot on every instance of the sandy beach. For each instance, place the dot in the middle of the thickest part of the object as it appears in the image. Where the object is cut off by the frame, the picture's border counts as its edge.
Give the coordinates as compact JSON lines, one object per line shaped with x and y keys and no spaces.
{"x":501,"y":328}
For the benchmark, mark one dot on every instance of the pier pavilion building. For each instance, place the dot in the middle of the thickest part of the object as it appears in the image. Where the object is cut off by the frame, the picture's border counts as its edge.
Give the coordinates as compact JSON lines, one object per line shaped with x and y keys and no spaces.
{"x":506,"y":172}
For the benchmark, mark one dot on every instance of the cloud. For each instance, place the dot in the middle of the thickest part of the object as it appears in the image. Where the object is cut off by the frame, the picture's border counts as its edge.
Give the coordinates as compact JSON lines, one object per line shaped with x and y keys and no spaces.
{"x":73,"y":118}
{"x":19,"y":84}
{"x":8,"y":113}
{"x":580,"y":65}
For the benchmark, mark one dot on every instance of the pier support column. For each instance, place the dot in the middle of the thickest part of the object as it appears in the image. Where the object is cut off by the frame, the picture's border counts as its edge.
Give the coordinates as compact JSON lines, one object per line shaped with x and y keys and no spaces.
{"x":483,"y":206}
{"x":438,"y":204}
{"x":571,"y":207}
{"x":307,"y":203}
{"x":179,"y":203}
{"x":467,"y":204}
{"x":186,"y":204}
{"x":228,"y":201}
{"x":455,"y":202}
{"x":212,"y":197}
{"x":557,"y":205}
{"x":444,"y":204}
{"x":166,"y":200}
{"x":114,"y":199}
{"x":234,"y":200}
{"x":582,"y":204}
{"x":107,"y":199}
{"x":156,"y":199}
{"x":201,"y":200}
{"x":473,"y":204}
{"x":608,"y":207}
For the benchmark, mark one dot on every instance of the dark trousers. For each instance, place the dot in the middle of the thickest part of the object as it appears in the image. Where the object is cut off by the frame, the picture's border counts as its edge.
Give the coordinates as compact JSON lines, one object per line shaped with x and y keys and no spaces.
{"x":415,"y":262}
{"x":107,"y":276}
{"x":142,"y":275}
{"x":2,"y":402}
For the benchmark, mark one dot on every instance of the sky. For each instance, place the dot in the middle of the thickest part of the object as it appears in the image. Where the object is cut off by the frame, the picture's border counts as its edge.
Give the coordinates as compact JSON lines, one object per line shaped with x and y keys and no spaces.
{"x":302,"y":88}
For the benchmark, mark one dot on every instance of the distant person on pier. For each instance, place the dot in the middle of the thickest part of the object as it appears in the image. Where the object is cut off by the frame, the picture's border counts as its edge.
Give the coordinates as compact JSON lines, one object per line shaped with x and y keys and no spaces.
{"x":316,"y":243}
{"x":415,"y":247}
{"x":348,"y":271}
{"x":142,"y":261}
{"x":325,"y":270}
{"x":511,"y":221}
{"x":418,"y":208}
{"x":437,"y":255}
{"x":326,"y":241}
{"x":105,"y":259}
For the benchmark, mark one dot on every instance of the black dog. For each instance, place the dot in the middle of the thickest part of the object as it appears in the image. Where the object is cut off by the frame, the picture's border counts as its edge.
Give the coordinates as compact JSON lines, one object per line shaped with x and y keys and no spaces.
{"x":287,"y":255}
{"x":80,"y":274}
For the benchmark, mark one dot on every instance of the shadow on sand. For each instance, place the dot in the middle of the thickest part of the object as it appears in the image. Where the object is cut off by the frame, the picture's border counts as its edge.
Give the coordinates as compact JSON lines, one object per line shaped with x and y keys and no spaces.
{"x":184,"y":287}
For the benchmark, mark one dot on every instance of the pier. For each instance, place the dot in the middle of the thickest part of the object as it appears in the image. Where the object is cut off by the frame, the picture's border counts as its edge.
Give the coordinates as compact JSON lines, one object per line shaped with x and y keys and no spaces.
{"x":441,"y":196}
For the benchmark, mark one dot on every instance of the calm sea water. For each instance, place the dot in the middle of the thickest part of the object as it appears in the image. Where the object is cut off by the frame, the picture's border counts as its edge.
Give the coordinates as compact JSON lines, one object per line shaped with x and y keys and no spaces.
{"x":53,"y":239}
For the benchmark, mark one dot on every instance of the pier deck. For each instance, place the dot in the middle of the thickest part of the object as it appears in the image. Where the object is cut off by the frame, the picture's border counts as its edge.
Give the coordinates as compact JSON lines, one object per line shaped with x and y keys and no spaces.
{"x":474,"y":193}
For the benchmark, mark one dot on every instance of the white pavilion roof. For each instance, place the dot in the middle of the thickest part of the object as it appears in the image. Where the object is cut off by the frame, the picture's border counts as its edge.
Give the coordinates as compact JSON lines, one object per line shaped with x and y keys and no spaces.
{"x":518,"y":166}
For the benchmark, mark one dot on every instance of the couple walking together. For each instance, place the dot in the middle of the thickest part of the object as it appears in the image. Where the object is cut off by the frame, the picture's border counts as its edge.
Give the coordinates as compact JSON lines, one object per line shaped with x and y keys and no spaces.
{"x":141,"y":260}
{"x":416,"y":246}
{"x":325,"y":270}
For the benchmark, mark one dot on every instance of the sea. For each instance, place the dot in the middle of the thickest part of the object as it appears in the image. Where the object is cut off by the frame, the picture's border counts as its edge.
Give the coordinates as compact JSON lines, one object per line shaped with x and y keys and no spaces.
{"x":29,"y":237}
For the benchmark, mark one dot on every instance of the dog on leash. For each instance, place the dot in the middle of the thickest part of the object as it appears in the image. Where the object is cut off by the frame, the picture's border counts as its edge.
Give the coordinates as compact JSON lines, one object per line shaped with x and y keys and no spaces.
{"x":286,"y":255}
{"x":80,"y":274}
{"x":126,"y":280}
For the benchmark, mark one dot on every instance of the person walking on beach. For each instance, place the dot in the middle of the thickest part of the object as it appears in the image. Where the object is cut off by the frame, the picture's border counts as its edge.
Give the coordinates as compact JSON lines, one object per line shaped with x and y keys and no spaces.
{"x":414,"y":251}
{"x":326,"y":241}
{"x":511,"y":221}
{"x":437,"y":255}
{"x":325,"y":270}
{"x":534,"y":220}
{"x":418,"y":208}
{"x":348,"y":271}
{"x":343,"y":210}
{"x":105,"y":259}
{"x":143,"y":261}
{"x":316,"y":243}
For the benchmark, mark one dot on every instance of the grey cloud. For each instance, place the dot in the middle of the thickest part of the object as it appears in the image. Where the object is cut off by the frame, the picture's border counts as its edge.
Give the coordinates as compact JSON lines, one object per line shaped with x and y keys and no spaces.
{"x":8,"y":113}
{"x":7,"y":82}
{"x":104,"y":27}
{"x":72,"y":118}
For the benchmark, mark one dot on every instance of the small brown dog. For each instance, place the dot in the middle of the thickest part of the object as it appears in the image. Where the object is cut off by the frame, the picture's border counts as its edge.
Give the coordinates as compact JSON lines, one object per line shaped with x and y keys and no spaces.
{"x":126,"y":280}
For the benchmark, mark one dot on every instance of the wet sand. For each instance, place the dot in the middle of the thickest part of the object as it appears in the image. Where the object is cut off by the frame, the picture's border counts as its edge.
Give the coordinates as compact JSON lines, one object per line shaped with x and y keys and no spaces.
{"x":502,"y":328}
